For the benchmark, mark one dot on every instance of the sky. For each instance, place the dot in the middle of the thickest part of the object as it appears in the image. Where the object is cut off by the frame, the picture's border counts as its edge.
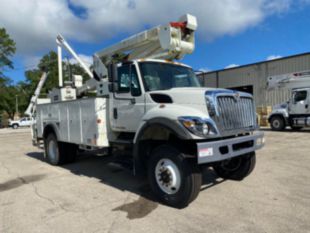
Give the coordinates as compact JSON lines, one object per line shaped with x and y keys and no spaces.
{"x":230,"y":32}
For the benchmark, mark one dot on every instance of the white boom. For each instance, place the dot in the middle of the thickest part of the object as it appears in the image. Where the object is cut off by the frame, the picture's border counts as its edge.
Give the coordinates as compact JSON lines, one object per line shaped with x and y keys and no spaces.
{"x":170,"y":41}
{"x":32,"y":105}
{"x":91,"y":83}
{"x":289,"y":81}
{"x":62,"y":42}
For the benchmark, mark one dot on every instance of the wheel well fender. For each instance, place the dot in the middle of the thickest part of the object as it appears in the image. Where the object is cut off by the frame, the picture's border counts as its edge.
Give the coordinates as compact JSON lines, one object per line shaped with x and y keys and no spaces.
{"x":50,"y":128}
{"x":165,"y":123}
{"x":278,"y":115}
{"x":157,"y":130}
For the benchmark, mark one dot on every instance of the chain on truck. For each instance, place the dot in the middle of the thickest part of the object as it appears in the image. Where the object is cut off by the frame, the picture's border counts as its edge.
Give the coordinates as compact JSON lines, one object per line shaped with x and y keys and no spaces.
{"x":154,"y":107}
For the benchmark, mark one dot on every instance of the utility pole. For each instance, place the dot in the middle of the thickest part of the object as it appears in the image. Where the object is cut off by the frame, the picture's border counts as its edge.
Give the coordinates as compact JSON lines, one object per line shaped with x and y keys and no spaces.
{"x":16,"y":104}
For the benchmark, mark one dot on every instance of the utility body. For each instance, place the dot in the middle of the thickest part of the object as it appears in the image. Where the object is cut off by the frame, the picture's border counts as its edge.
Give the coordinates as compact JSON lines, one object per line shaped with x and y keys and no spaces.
{"x":153,"y":107}
{"x":296,"y":111}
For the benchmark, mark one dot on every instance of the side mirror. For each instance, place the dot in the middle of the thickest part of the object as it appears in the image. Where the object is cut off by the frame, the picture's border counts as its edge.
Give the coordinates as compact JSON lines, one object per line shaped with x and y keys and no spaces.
{"x":113,"y":77}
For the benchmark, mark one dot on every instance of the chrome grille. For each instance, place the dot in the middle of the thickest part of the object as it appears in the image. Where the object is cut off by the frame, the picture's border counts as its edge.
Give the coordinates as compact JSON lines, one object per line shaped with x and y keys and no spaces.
{"x":235,"y":114}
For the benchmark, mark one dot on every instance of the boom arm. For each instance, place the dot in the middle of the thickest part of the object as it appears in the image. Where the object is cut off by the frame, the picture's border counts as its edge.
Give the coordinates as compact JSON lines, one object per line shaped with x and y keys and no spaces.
{"x":171,"y":41}
{"x":32,"y":107}
{"x":90,"y":84}
{"x":289,"y":81}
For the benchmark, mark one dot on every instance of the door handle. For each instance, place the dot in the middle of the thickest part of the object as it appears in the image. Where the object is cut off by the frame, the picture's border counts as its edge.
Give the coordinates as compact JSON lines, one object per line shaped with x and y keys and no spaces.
{"x":306,"y":106}
{"x":133,"y":101}
{"x":115,"y":113}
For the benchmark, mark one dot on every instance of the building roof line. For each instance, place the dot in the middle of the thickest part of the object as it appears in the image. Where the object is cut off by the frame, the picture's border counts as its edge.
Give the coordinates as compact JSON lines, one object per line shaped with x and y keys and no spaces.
{"x":255,"y":63}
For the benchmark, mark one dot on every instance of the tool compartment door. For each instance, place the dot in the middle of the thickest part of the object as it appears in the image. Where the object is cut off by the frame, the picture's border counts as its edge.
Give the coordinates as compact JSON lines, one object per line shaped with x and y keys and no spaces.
{"x":93,"y":121}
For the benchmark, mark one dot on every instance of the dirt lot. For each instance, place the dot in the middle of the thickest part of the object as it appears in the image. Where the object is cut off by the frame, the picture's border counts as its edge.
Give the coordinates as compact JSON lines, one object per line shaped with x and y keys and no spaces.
{"x":92,"y":195}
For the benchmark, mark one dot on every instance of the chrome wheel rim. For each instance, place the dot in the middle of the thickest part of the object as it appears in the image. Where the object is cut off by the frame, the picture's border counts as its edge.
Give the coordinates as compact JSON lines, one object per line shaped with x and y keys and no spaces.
{"x":276,"y":123}
{"x":168,"y":176}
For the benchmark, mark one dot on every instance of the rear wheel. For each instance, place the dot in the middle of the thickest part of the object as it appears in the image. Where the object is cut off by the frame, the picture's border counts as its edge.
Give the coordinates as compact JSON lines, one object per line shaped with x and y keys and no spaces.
{"x":175,"y":180}
{"x":71,"y":152}
{"x":277,"y":123}
{"x":54,"y":150}
{"x":58,"y":153}
{"x":236,"y":168}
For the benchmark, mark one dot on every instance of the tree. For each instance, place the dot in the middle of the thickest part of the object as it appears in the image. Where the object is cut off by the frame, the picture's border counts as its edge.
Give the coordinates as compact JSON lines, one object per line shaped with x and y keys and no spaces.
{"x":8,"y":100}
{"x":49,"y":63}
{"x":7,"y":50}
{"x":7,"y":91}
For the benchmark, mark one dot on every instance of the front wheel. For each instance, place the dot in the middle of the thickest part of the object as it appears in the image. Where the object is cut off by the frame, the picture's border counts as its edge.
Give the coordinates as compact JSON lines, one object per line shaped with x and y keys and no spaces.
{"x":175,"y":180}
{"x":236,"y":168}
{"x":15,"y":126}
{"x":277,"y":123}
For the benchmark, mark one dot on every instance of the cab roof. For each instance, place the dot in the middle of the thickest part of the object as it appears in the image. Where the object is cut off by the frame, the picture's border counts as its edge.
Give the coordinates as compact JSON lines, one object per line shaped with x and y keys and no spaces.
{"x":162,"y":61}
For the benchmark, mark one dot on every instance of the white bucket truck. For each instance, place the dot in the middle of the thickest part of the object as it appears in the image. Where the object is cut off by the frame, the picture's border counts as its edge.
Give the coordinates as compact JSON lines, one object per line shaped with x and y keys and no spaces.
{"x":295,"y":112}
{"x":154,"y":107}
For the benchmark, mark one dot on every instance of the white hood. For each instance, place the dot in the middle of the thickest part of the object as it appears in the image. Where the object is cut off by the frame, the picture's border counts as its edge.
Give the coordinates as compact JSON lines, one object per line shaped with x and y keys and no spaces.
{"x":185,"y":95}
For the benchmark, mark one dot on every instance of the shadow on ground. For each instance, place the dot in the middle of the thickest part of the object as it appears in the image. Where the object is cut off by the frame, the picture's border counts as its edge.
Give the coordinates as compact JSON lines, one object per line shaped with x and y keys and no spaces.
{"x":19,"y":181}
{"x":110,"y":172}
{"x":303,"y":130}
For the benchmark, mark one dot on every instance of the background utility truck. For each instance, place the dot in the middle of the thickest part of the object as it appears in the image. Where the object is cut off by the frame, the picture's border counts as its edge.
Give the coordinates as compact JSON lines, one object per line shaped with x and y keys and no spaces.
{"x":153,"y":107}
{"x":295,"y":112}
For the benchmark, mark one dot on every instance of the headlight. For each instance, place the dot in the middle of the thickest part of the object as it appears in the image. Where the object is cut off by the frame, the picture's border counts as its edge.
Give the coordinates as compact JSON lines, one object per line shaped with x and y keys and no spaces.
{"x":260,"y":141}
{"x":198,"y":126}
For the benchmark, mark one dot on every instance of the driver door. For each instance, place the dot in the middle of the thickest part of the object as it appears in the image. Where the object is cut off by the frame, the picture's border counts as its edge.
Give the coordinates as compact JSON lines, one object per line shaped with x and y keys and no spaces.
{"x":300,"y":102}
{"x":128,"y":105}
{"x":22,"y":122}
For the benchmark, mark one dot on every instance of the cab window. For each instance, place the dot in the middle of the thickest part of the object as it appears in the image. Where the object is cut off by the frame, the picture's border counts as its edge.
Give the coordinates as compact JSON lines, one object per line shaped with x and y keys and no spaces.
{"x":300,"y":96}
{"x":128,"y":80}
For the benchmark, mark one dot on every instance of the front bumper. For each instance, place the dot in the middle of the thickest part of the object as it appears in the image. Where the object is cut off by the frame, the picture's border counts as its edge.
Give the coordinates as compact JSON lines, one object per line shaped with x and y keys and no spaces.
{"x":215,"y":151}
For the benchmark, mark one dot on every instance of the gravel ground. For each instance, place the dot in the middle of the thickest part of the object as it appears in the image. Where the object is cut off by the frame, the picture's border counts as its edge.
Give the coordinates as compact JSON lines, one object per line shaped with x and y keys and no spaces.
{"x":93,"y":195}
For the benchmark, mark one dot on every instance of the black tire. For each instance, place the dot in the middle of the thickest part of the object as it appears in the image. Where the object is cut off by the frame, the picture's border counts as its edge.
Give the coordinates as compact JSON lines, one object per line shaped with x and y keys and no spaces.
{"x":15,"y":126}
{"x":236,"y":168}
{"x":277,"y":123}
{"x":56,"y":156}
{"x":70,"y":152}
{"x":189,"y":177}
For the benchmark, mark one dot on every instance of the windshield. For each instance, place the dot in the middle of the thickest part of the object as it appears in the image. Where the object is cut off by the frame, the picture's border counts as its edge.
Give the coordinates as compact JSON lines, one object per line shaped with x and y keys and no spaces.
{"x":163,"y":76}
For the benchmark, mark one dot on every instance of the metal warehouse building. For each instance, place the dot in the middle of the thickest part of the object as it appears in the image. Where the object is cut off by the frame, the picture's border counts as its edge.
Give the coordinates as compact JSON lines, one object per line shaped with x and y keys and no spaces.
{"x":252,"y":78}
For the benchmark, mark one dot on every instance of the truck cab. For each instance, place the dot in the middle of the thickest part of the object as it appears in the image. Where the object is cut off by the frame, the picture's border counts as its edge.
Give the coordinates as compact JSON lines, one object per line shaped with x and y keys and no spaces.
{"x":141,"y":85}
{"x":299,"y":103}
{"x":296,"y":111}
{"x":141,"y":90}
